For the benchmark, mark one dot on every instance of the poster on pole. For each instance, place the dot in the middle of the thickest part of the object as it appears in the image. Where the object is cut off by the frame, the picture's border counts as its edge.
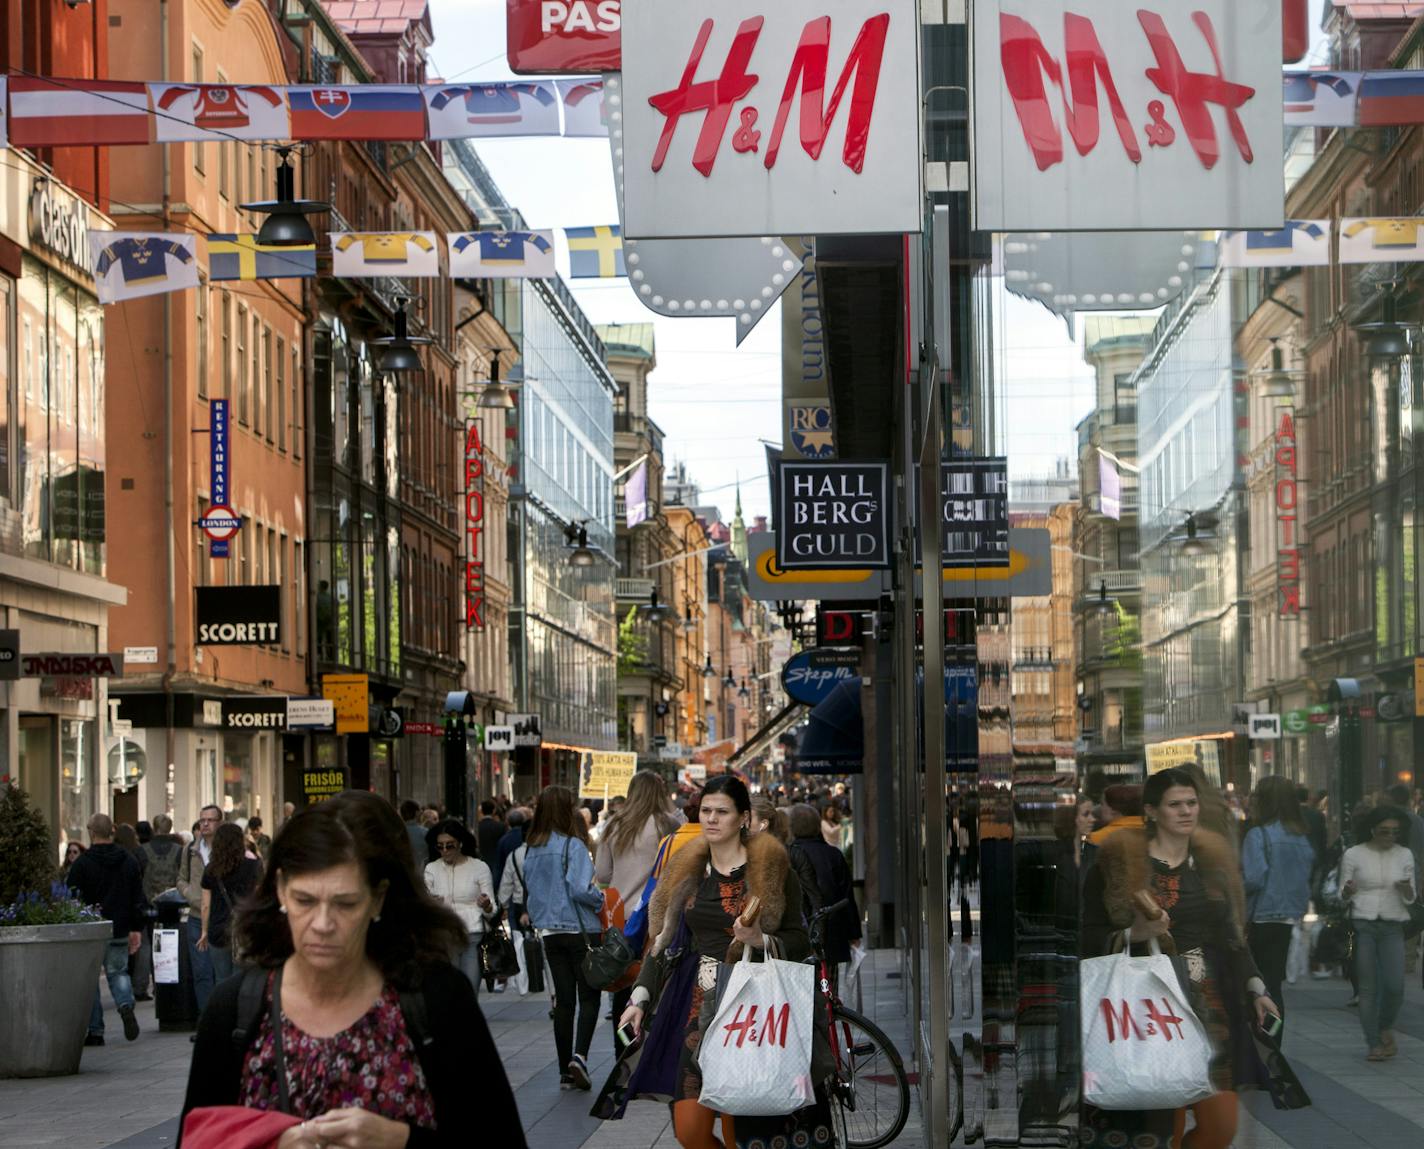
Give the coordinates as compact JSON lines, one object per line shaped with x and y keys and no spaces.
{"x":605,"y":774}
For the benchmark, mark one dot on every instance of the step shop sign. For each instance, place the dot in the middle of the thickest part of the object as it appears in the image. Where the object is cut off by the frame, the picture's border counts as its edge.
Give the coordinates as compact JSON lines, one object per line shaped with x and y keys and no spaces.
{"x":239,"y":615}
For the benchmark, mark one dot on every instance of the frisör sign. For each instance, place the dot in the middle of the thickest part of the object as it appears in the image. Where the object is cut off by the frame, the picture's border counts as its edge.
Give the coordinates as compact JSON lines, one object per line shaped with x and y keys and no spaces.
{"x":833,"y":516}
{"x":771,"y":117}
{"x":1100,"y":115}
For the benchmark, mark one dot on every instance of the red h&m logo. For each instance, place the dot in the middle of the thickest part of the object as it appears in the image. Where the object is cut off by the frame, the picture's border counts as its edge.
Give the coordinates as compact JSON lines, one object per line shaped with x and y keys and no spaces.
{"x":1124,"y":1025}
{"x":810,"y":66}
{"x":743,"y":1027}
{"x":1029,"y":68}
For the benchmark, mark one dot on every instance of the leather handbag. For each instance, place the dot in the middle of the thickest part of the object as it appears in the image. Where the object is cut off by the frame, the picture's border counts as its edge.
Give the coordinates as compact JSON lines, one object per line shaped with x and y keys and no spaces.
{"x":608,"y":955}
{"x":1415,"y":925}
{"x":498,"y":957}
{"x":534,"y":962}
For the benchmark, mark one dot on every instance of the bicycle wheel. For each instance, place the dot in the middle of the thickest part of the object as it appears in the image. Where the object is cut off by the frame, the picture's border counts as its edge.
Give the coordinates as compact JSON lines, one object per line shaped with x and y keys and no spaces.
{"x":871,"y":1089}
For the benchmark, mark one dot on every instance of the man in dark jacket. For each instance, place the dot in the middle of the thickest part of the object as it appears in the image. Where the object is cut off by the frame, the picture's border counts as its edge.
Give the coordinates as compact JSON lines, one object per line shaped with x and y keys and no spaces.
{"x":832,"y":878}
{"x":490,"y":830}
{"x":511,"y":841}
{"x":108,"y":876}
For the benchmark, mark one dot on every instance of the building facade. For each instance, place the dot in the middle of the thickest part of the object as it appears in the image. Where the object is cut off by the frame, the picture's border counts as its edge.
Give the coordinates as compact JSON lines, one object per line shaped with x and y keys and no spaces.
{"x":57,"y":589}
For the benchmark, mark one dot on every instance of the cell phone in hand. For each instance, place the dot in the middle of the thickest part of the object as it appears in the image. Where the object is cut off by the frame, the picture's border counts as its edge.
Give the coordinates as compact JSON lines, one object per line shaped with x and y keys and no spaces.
{"x":625,"y":1035}
{"x":1272,"y":1026}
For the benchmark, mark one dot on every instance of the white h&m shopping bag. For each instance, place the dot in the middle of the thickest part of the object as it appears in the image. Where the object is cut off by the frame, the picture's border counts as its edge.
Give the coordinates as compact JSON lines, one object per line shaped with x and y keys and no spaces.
{"x":1143,"y":1046}
{"x":756,"y":1054}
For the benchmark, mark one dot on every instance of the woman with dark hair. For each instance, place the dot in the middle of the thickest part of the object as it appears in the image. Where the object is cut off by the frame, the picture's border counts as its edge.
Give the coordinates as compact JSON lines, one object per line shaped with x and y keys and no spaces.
{"x":1277,"y":860}
{"x":229,"y":876}
{"x":555,"y":873}
{"x":1377,"y":883}
{"x":72,"y":852}
{"x":697,"y":908}
{"x":352,"y":1018}
{"x":1192,"y":876}
{"x":463,"y":882}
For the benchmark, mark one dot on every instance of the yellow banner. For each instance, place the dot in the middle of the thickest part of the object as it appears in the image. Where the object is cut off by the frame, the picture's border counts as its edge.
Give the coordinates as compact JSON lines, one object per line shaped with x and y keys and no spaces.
{"x":606,"y":773}
{"x":1169,"y":754}
{"x":350,"y":694}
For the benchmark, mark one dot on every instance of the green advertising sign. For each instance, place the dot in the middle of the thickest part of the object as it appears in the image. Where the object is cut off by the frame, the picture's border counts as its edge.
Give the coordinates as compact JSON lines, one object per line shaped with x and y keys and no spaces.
{"x":1296,"y":723}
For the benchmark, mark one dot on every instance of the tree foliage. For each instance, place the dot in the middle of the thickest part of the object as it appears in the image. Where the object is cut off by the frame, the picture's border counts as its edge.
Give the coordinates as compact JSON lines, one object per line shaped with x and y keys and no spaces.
{"x":632,"y":644}
{"x":26,"y":863}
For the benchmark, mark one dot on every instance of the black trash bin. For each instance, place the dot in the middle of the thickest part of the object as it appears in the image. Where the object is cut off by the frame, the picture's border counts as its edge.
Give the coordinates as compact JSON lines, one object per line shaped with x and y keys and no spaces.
{"x":175,"y":1006}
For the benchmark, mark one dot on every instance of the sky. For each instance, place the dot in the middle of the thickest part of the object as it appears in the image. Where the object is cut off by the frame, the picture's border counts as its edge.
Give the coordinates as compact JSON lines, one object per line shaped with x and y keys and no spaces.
{"x":713,"y":400}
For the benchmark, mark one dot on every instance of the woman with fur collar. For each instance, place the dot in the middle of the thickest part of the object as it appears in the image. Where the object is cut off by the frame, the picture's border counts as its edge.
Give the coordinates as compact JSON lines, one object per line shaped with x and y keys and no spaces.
{"x":694,"y":925}
{"x":1191,"y":874}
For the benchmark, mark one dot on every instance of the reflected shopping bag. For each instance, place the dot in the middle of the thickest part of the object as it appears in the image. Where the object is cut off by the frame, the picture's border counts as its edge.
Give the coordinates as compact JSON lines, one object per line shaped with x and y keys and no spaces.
{"x":1143,"y":1046}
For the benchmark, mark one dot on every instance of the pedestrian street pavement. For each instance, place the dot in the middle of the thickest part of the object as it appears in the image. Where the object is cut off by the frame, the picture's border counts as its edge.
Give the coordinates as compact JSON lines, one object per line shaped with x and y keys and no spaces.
{"x":127,"y":1095}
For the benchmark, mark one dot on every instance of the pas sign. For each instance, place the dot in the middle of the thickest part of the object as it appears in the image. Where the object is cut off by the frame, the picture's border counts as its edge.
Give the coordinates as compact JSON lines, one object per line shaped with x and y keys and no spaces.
{"x":712,"y":147}
{"x":1104,"y":115}
{"x":548,"y":37}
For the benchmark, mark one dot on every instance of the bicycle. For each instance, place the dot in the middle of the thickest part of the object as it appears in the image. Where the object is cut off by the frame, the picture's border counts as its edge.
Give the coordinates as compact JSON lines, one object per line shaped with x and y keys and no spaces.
{"x":870,"y":1089}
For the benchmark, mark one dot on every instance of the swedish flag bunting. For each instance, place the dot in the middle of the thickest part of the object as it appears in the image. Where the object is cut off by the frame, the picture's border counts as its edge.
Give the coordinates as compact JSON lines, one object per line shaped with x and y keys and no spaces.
{"x":595,"y":252}
{"x":242,"y":257}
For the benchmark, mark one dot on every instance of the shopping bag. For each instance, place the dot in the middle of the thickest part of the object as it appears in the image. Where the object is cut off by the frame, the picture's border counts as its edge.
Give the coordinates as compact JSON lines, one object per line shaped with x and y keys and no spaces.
{"x":1143,"y":1046}
{"x":756,"y":1054}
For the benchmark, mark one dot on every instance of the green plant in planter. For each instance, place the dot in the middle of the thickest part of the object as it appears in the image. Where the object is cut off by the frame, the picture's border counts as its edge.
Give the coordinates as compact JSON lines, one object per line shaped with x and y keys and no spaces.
{"x":57,"y":908}
{"x":26,"y":862}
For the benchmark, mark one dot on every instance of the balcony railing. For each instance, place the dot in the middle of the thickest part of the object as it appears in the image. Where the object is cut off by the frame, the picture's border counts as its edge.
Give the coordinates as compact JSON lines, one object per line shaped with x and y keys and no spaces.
{"x":630,"y":589}
{"x":1117,"y":582}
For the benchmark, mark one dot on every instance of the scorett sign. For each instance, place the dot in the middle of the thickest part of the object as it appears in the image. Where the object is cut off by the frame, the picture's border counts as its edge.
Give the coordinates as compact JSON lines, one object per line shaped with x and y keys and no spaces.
{"x":239,"y":615}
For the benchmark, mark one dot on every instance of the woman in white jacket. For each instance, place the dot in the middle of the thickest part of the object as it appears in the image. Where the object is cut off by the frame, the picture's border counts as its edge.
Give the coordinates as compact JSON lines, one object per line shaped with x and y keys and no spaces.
{"x":1377,"y":880}
{"x":464,"y":883}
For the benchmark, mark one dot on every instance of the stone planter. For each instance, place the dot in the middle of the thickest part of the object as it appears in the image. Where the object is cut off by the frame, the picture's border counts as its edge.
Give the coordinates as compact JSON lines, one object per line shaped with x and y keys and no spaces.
{"x":49,"y":974}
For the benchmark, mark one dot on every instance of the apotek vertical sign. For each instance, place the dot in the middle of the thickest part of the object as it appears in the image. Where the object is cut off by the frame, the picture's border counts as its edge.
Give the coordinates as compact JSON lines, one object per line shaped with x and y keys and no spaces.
{"x":474,"y":527}
{"x":1287,"y":497}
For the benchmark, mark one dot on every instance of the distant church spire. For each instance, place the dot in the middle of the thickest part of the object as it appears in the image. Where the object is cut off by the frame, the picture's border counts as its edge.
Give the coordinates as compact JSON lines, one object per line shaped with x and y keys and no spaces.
{"x":739,"y":529}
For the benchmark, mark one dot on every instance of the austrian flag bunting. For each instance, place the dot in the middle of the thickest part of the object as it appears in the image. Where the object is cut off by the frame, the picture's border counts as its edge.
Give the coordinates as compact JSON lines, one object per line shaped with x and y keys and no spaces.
{"x":376,"y":253}
{"x":218,"y":112}
{"x":130,"y":264}
{"x":76,"y":113}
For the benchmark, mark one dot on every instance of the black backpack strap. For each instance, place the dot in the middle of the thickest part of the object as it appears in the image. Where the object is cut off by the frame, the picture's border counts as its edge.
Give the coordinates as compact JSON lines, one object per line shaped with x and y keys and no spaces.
{"x":251,"y":1006}
{"x":417,"y":1019}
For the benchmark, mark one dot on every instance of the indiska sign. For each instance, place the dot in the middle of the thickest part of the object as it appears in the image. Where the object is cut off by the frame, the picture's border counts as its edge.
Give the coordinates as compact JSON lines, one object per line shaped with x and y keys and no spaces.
{"x":1104,"y":115}
{"x":570,"y":37}
{"x":1287,"y":495}
{"x":833,"y":515}
{"x":474,"y":527}
{"x":771,"y":117}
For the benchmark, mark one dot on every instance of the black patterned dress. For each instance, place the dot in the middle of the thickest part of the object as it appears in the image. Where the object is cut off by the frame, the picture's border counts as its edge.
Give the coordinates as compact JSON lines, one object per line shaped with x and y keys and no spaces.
{"x":710,"y":914}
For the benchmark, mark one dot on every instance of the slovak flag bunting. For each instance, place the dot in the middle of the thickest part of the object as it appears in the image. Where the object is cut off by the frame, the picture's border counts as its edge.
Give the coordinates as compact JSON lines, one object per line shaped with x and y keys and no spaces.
{"x":357,"y":112}
{"x":1300,"y":243}
{"x":403,"y":254}
{"x":502,"y":254}
{"x":583,"y":108}
{"x":470,"y":111}
{"x":218,"y":112}
{"x":130,"y":264}
{"x":76,"y":113}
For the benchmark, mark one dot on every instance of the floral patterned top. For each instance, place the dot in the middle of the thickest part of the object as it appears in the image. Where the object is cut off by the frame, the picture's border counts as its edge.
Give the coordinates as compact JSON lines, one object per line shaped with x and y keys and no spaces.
{"x":372,"y":1066}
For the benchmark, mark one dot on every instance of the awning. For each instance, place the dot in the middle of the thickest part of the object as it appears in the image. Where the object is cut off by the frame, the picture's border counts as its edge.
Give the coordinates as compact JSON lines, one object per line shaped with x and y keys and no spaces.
{"x":779,"y":725}
{"x":834,"y":742}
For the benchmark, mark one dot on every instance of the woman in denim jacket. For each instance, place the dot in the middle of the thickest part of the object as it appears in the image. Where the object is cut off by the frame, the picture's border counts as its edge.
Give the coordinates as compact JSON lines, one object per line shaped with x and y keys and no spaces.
{"x":1278,"y":860}
{"x":562,"y":903}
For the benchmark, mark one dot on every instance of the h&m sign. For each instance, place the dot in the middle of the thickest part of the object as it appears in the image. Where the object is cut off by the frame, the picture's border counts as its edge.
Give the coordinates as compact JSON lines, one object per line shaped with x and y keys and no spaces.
{"x":771,"y":117}
{"x":1099,"y":115}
